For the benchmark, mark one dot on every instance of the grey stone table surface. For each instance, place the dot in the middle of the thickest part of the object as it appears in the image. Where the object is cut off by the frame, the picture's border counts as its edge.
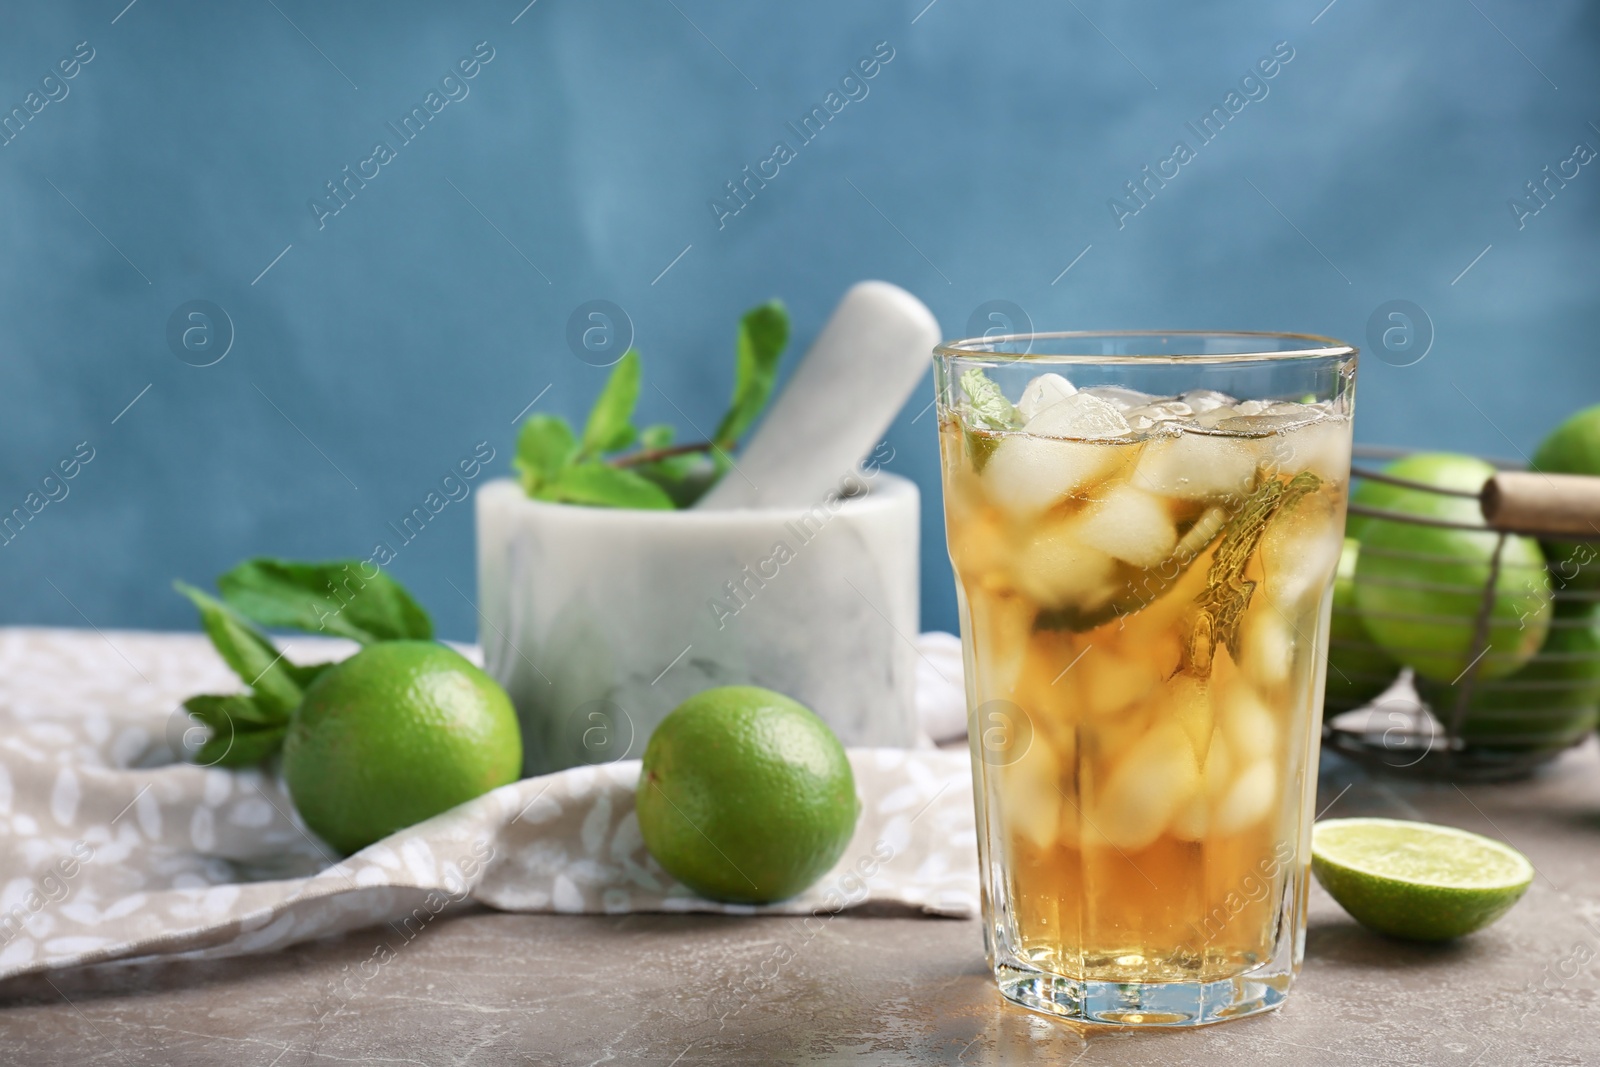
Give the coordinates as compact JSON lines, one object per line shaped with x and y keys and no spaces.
{"x":679,"y":990}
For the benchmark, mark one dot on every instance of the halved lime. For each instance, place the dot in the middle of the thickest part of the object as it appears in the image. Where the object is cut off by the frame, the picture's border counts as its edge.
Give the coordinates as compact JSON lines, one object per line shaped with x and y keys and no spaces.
{"x":1416,"y":880}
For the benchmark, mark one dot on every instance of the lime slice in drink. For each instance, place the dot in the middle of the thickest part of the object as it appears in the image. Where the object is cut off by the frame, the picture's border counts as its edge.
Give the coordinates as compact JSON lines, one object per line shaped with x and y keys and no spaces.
{"x":1415,"y":880}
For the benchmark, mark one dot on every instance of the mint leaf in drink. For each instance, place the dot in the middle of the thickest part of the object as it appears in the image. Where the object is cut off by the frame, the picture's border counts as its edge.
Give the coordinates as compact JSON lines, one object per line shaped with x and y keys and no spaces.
{"x":763,"y":333}
{"x":335,"y":598}
{"x":545,"y":446}
{"x":980,"y":446}
{"x":987,"y":406}
{"x":1228,"y":591}
{"x":247,"y":651}
{"x":655,"y":437}
{"x":242,"y":731}
{"x":610,"y":425}
{"x":601,"y":485}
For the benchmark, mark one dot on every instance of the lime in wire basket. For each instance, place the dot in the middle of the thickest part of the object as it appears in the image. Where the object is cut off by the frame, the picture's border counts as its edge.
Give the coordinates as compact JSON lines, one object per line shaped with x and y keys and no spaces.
{"x":1521,"y":682}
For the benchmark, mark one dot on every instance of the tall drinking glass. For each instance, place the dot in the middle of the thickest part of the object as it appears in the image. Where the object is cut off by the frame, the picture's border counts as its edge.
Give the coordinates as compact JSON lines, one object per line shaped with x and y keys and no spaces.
{"x":1145,"y":528}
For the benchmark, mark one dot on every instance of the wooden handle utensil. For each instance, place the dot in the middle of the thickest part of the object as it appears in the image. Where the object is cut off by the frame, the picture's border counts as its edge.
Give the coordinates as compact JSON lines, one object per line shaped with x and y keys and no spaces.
{"x":1549,"y":505}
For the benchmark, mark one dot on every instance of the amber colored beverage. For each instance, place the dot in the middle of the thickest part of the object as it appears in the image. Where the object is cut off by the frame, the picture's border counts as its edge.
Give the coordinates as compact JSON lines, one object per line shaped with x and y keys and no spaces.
{"x":1144,"y":583}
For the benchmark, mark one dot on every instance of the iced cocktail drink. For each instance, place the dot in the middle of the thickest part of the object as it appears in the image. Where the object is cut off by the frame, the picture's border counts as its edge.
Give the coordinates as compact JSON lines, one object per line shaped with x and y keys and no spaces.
{"x":1144,"y":583}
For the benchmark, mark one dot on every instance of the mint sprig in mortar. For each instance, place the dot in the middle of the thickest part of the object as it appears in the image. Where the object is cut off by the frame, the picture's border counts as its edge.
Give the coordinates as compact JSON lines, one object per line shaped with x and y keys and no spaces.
{"x":614,"y":464}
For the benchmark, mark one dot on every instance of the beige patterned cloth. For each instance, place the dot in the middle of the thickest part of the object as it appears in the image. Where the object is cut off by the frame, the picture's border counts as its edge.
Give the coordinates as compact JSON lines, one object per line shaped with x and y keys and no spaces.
{"x":110,"y":849}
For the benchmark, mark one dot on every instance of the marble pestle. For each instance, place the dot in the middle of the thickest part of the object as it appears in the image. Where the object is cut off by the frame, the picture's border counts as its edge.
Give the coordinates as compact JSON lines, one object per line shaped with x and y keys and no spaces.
{"x":838,"y":403}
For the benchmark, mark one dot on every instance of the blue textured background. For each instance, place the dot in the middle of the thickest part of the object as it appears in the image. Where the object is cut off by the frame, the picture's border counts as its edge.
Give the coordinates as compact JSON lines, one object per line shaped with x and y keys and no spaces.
{"x":379,"y":349}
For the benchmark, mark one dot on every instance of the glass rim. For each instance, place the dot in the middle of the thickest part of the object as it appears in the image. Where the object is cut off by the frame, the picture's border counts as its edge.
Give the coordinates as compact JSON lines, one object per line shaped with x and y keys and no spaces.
{"x":1310,"y":346}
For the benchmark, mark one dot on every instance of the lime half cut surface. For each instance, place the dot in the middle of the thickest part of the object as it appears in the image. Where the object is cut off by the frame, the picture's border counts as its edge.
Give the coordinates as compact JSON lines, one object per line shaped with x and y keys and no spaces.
{"x":1414,"y":880}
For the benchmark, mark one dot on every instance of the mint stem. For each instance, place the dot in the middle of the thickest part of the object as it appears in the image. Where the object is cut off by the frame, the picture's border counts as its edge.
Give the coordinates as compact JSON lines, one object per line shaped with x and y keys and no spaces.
{"x":650,"y":455}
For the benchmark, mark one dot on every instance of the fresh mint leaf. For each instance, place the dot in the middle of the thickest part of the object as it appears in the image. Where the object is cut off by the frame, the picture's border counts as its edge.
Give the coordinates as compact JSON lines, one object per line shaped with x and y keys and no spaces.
{"x":246,"y":650}
{"x":610,"y":425}
{"x":763,"y":333}
{"x":545,"y":446}
{"x":989,"y":407}
{"x":241,"y":732}
{"x":684,"y":478}
{"x":241,"y":708}
{"x":335,"y":598}
{"x":602,"y":485}
{"x":245,"y":748}
{"x":304,"y":676}
{"x":658,"y":436}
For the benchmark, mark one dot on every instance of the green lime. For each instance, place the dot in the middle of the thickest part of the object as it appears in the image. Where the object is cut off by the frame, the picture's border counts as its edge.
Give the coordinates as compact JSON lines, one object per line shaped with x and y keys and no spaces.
{"x":1573,"y":448}
{"x":1548,"y":704}
{"x":396,"y":734}
{"x":1415,"y":880}
{"x":745,"y":795}
{"x":1358,"y":670}
{"x":1419,"y":589}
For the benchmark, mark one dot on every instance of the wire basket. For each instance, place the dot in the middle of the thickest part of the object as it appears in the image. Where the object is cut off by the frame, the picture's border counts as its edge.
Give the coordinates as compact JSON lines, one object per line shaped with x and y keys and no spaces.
{"x":1501,"y":715}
